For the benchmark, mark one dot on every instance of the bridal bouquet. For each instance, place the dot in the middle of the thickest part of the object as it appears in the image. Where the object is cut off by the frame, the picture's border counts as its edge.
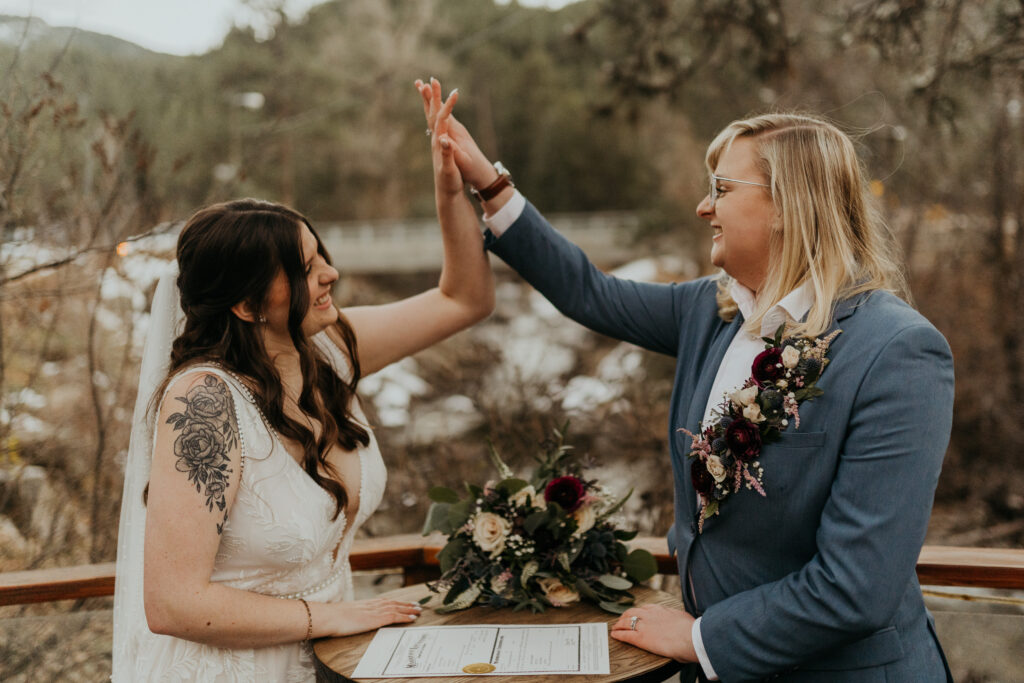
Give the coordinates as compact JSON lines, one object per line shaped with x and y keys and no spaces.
{"x":533,"y":544}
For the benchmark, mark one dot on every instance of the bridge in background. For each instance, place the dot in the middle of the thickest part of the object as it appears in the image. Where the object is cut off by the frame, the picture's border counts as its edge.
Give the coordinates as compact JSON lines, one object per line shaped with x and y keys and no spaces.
{"x":413,"y":245}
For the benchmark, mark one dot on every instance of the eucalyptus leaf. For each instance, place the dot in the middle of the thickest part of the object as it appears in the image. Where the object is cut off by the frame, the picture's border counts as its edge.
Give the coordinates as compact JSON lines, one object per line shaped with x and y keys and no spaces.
{"x":615,"y":582}
{"x":584,"y":589}
{"x":509,"y":487}
{"x":563,"y":560}
{"x":640,"y":565}
{"x":451,"y":553}
{"x":459,"y":513}
{"x":711,"y":510}
{"x":442,"y":494}
{"x":625,"y":535}
{"x":613,"y":607}
{"x":437,"y":519}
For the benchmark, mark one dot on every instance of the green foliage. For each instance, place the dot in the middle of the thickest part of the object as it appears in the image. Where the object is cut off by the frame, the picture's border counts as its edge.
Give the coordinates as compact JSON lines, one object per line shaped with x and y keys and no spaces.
{"x":442,"y":494}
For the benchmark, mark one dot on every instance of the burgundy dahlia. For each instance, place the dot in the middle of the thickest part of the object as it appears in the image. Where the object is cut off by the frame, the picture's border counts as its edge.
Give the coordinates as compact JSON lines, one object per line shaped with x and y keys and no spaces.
{"x":768,"y":366}
{"x":702,"y":480}
{"x":566,"y":491}
{"x":744,"y":438}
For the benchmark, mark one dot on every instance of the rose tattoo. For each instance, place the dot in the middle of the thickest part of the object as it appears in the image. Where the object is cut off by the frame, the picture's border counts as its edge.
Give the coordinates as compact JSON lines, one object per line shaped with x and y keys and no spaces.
{"x":207,"y":432}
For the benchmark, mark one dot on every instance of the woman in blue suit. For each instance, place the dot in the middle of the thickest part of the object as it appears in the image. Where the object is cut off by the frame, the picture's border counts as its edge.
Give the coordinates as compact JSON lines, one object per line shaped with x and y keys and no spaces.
{"x":799,"y":515}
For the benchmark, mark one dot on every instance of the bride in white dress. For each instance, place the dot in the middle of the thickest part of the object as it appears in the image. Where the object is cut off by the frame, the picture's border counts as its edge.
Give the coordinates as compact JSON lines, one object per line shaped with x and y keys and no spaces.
{"x":251,"y":464}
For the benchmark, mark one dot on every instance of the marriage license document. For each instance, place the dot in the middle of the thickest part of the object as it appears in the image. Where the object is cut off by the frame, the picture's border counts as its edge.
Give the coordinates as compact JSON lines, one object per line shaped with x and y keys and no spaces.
{"x":486,"y":650}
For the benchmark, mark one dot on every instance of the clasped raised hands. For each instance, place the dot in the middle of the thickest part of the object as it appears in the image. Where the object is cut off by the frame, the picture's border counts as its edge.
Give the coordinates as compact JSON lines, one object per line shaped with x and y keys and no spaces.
{"x":457,"y":159}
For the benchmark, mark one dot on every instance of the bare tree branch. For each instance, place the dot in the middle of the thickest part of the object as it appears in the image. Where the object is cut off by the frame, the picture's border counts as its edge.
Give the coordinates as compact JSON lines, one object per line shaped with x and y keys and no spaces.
{"x":160,"y":229}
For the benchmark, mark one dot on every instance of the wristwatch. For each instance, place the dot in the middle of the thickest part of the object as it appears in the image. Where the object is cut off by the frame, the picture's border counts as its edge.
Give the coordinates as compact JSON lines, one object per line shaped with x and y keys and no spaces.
{"x":491,"y":191}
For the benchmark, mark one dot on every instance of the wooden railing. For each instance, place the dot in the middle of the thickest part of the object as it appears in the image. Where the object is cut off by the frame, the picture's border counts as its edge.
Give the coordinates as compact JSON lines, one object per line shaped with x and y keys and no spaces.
{"x":416,"y":556}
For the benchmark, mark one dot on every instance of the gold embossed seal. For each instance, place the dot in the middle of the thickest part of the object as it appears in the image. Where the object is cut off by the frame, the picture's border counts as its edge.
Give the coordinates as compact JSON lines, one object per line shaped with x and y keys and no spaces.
{"x":479,"y":668}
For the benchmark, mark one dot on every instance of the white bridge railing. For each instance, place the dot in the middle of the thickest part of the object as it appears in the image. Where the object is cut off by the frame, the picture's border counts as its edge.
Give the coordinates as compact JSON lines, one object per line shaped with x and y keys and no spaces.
{"x":411,"y":245}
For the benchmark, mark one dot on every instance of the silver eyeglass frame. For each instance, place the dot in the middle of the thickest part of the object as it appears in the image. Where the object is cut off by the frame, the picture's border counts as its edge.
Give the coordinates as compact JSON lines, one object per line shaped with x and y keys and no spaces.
{"x":713,"y":194}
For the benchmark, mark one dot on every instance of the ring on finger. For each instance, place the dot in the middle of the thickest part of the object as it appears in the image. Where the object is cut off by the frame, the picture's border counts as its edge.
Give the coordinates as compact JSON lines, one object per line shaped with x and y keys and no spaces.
{"x":429,"y":132}
{"x":633,"y":622}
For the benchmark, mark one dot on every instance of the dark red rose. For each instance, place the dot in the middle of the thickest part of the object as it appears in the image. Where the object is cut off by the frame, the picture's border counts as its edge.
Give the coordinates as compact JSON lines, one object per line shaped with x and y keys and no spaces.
{"x":566,"y":491}
{"x":744,"y":439}
{"x":702,"y":480}
{"x":768,"y":366}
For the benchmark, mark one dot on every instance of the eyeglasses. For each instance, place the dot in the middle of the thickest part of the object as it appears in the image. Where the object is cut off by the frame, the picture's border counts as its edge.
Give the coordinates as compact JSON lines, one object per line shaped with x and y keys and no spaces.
{"x":714,"y":186}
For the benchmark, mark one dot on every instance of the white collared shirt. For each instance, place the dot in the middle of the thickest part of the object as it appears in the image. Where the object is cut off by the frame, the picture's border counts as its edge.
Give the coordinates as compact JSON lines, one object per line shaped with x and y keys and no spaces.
{"x":736,"y":364}
{"x":735,"y":368}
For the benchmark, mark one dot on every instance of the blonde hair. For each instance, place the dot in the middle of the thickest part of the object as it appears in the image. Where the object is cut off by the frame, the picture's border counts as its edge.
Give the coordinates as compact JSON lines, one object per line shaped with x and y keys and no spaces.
{"x":829,"y":232}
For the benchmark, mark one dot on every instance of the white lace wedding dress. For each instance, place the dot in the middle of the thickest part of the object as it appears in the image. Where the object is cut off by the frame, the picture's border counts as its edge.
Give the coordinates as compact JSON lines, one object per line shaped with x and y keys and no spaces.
{"x":279,"y":540}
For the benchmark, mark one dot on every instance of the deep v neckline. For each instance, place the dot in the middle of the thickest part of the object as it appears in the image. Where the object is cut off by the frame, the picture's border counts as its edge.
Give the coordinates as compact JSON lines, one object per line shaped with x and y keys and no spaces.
{"x":305,"y":475}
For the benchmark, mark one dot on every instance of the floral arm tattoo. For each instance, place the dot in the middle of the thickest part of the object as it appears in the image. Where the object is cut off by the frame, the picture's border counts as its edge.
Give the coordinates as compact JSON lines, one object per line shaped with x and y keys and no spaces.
{"x":208,"y":431}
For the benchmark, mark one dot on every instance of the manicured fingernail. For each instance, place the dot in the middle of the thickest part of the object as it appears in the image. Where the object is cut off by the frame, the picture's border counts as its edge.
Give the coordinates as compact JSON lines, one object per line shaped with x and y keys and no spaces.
{"x":445,"y":144}
{"x":455,"y":90}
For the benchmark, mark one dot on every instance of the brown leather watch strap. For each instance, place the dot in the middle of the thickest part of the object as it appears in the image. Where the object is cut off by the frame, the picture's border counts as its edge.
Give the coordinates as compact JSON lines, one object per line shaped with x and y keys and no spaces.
{"x":491,"y":191}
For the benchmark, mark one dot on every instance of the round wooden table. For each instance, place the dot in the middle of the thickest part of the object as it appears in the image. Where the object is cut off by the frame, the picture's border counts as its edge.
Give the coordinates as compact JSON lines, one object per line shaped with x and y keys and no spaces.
{"x":336,"y":658}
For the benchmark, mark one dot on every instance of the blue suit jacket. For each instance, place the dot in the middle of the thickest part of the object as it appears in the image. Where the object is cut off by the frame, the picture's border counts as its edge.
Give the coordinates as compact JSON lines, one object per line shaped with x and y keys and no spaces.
{"x":816,"y":581}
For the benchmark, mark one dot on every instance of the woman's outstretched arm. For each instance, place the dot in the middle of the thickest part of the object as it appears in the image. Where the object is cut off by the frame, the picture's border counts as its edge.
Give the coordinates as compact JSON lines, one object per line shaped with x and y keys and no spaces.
{"x":647,"y":314}
{"x":465,"y":291}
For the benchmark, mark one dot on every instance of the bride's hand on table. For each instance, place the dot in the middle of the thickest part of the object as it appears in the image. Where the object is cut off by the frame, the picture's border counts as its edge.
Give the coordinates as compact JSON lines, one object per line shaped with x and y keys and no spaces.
{"x":359,"y":616}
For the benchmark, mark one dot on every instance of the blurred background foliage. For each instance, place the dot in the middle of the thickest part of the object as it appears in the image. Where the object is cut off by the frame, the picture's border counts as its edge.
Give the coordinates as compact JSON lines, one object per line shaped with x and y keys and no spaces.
{"x":603,"y":104}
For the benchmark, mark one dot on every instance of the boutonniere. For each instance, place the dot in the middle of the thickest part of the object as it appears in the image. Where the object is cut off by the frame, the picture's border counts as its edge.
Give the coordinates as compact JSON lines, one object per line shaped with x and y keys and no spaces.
{"x":726,"y":452}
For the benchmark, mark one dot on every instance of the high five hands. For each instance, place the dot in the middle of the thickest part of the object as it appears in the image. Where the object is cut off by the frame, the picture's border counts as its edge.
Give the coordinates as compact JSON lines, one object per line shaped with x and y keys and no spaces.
{"x":451,"y":140}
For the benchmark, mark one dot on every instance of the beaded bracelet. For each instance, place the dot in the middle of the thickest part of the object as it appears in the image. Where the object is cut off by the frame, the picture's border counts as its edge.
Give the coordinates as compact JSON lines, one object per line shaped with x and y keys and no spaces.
{"x":309,"y":620}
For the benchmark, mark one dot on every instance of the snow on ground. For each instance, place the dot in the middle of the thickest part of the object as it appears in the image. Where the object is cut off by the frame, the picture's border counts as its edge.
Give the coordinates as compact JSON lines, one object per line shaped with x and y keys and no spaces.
{"x":392,"y":389}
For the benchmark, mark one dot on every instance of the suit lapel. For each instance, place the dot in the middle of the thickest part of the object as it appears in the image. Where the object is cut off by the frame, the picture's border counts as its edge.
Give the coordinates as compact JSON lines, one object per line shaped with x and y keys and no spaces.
{"x":847,"y":307}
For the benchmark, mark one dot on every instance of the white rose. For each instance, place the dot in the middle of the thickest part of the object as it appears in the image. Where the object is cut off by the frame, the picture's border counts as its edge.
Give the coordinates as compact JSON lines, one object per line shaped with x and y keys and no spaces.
{"x":526,"y":497}
{"x":753,"y":413}
{"x":716,"y":469}
{"x":489,"y":532}
{"x":744,"y":397}
{"x":585,"y":517}
{"x":557,"y":593}
{"x":790,"y":357}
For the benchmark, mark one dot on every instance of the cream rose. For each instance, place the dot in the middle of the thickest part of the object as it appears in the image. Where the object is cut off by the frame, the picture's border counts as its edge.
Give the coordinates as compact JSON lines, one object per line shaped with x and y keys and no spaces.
{"x":585,"y":517}
{"x":716,"y":469}
{"x":753,"y":413}
{"x":557,"y":593}
{"x":790,"y":357}
{"x":526,"y":497}
{"x":490,"y":531}
{"x":744,"y":397}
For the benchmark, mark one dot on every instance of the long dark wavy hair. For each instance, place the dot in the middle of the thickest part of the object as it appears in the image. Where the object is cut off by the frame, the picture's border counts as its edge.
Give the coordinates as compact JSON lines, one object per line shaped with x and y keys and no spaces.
{"x":230,"y":253}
